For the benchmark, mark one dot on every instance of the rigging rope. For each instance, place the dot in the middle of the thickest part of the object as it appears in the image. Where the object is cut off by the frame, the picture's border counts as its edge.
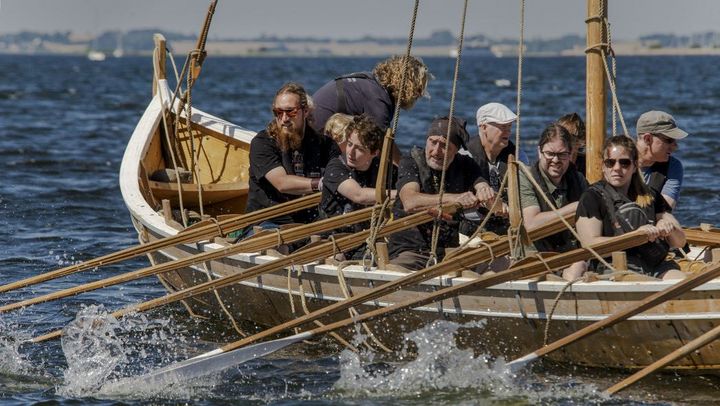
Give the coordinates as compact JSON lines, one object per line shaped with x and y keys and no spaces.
{"x":521,"y":46}
{"x":439,"y":207}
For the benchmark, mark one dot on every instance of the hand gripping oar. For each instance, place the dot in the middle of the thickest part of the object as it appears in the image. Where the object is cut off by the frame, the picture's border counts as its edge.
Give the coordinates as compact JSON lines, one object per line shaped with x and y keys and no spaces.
{"x":682,"y":286}
{"x":255,"y":244}
{"x":222,"y":358}
{"x":296,"y":258}
{"x":191,"y":235}
{"x":683,"y":351}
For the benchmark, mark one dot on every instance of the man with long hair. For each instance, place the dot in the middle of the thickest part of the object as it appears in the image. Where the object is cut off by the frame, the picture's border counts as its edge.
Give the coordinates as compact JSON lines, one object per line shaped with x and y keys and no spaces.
{"x":288,"y":158}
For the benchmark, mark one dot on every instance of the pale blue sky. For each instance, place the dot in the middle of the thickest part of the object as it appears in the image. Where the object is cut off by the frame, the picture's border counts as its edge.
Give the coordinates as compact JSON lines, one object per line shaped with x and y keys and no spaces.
{"x":350,"y":19}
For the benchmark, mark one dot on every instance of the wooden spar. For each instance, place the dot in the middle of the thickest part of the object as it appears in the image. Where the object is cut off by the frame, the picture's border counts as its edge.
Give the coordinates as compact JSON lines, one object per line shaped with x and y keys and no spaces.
{"x":255,"y":244}
{"x":595,"y":94}
{"x":381,"y":181}
{"x":159,"y":61}
{"x":681,"y":352}
{"x":700,"y":237}
{"x":193,"y":235}
{"x":298,"y":257}
{"x":198,"y":56}
{"x":682,"y":286}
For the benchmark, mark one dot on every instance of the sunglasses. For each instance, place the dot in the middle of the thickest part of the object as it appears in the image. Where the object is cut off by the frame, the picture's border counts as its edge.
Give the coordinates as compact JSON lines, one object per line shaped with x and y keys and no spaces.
{"x":665,"y":139}
{"x":624,"y":163}
{"x":290,"y":112}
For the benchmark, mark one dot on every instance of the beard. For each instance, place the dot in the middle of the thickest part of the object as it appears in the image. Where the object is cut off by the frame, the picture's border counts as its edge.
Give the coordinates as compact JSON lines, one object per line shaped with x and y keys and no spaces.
{"x":290,"y":137}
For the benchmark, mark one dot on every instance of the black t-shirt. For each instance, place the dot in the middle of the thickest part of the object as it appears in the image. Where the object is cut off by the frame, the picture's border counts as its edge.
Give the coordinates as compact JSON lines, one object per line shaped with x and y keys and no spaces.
{"x":592,"y":205}
{"x":333,"y":203}
{"x":309,"y":161}
{"x":362,"y":95}
{"x":461,"y":176}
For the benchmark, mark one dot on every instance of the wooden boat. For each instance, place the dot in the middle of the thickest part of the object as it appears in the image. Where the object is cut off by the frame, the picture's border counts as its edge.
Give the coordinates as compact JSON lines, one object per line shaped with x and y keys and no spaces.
{"x":515,"y":312}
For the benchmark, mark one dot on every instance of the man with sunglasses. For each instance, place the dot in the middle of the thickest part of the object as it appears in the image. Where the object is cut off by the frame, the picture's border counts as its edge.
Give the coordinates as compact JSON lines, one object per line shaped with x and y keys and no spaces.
{"x":288,"y":158}
{"x":657,"y":136}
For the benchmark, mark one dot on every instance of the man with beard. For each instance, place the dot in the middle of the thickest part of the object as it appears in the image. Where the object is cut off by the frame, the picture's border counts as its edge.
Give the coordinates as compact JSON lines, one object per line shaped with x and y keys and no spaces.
{"x":418,"y":187}
{"x":562,"y":184}
{"x":288,"y":158}
{"x":349,"y":181}
{"x":373,"y":93}
{"x":657,"y":136}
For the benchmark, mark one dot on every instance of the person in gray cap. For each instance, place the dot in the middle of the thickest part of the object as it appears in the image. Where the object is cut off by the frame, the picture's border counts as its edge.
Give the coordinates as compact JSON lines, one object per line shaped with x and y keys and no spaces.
{"x":657,"y":137}
{"x":418,"y":186}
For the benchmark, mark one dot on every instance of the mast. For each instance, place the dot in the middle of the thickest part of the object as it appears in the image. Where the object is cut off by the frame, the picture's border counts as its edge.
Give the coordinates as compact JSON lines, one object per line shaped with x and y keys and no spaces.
{"x":595,"y":95}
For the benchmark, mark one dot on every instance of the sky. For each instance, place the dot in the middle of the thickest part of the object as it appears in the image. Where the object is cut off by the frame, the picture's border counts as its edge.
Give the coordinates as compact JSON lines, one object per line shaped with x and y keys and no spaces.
{"x":351,"y":19}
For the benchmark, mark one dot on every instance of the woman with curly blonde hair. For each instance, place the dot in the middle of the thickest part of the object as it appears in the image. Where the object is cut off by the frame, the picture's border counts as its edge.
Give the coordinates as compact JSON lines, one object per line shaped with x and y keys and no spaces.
{"x":373,"y":93}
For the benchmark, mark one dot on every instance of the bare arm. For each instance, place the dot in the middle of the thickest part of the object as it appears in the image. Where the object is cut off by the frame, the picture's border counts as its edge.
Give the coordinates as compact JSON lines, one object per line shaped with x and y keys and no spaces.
{"x":590,"y":230}
{"x":533,"y":217}
{"x":414,"y":200}
{"x":671,"y":229}
{"x":670,"y":201}
{"x":356,"y":193}
{"x":290,"y":184}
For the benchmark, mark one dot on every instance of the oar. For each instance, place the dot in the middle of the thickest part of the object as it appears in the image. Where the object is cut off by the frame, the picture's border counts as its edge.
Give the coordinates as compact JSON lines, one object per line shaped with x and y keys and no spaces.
{"x":223,"y":358}
{"x":683,"y":351}
{"x":255,"y":244}
{"x":191,"y":235}
{"x":701,"y":237}
{"x":296,"y":258}
{"x":682,"y":286}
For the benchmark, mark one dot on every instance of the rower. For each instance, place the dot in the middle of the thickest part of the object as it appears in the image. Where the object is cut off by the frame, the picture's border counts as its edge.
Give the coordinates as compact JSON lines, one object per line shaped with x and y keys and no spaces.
{"x":349,"y":181}
{"x":418,"y":185}
{"x":562,"y":184}
{"x":622,"y":202}
{"x":576,"y":127}
{"x":657,"y":137}
{"x":287,"y":158}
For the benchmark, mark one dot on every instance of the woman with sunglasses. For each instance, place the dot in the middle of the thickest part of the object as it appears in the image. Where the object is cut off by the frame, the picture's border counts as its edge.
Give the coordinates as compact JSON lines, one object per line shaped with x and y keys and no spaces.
{"x":562,"y":184}
{"x":620,"y":202}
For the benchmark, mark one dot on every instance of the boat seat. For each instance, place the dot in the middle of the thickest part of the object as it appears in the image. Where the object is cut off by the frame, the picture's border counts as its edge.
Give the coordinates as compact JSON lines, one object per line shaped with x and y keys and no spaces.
{"x":211,"y":192}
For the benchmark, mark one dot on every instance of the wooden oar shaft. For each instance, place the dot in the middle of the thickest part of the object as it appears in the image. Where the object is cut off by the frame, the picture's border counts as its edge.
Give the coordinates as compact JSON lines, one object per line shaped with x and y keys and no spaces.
{"x":681,"y":352}
{"x":682,"y":286}
{"x":467,"y":259}
{"x":524,"y":270}
{"x":251,"y":245}
{"x":192,"y":235}
{"x":700,"y":237}
{"x":299,"y":257}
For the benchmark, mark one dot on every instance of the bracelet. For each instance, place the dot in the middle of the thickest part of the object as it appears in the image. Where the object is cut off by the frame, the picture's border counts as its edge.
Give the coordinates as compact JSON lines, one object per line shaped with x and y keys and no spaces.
{"x":314,"y":184}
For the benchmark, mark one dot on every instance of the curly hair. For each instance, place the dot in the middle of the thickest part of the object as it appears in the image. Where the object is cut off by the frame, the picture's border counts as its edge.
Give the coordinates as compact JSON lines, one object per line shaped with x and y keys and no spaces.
{"x":638,"y":190}
{"x":369,"y":133}
{"x":389,"y":74}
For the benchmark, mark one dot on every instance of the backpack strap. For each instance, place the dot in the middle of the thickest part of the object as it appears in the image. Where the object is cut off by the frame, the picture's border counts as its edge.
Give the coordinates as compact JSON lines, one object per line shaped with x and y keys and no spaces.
{"x":340,"y":88}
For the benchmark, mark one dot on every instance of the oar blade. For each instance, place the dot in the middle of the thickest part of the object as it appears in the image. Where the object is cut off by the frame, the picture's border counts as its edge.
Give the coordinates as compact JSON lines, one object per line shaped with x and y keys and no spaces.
{"x":206,"y":364}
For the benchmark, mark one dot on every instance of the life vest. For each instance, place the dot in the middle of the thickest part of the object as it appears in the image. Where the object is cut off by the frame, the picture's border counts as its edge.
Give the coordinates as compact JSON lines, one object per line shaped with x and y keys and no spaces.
{"x":563,"y":241}
{"x":627,"y":216}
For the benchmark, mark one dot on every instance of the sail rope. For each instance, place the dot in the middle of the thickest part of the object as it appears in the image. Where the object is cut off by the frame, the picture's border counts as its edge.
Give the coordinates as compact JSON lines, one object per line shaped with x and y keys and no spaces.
{"x":432,"y":260}
{"x":381,"y":210}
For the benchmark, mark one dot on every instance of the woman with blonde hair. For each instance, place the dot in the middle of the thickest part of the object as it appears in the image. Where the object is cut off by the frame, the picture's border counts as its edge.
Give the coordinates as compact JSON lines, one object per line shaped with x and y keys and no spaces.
{"x":622,"y":202}
{"x":336,"y":128}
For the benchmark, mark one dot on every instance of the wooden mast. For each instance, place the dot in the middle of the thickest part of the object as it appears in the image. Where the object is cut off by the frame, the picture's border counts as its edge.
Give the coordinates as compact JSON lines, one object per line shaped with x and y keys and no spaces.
{"x":595,"y":95}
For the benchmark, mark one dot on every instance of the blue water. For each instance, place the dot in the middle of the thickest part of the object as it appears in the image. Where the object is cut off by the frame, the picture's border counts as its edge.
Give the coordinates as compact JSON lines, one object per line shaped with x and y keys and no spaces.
{"x":64,"y":124}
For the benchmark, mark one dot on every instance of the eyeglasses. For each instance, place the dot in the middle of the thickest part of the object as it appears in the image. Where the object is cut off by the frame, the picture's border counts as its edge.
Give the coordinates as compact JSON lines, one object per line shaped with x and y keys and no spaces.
{"x":665,"y":139}
{"x":290,"y":112}
{"x":549,"y":155}
{"x":624,"y":163}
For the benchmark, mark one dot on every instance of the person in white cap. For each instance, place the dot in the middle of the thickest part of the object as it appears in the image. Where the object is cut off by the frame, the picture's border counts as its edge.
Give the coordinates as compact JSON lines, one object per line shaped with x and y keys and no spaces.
{"x":657,"y":137}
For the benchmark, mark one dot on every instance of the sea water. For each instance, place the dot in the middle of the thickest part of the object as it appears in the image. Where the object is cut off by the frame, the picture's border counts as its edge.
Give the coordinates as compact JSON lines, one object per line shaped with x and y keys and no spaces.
{"x":64,"y":124}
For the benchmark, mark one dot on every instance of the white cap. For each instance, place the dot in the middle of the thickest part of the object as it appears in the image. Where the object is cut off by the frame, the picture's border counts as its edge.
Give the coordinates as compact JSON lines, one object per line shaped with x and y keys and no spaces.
{"x":494,"y":113}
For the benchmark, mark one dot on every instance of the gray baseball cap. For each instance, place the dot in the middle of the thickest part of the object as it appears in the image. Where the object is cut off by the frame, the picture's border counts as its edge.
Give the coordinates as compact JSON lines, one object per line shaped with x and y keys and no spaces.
{"x":659,"y":122}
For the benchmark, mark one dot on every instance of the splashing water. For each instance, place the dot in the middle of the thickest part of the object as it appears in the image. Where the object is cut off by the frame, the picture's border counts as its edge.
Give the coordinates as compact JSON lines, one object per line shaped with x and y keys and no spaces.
{"x":12,"y":362}
{"x":442,"y":369}
{"x":101,"y":349}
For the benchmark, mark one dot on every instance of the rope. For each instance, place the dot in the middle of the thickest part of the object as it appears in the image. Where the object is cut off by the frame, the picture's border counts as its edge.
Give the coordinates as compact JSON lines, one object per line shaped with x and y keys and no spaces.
{"x":183,"y":216}
{"x":537,"y":187}
{"x":336,"y":249}
{"x":374,"y":225}
{"x":554,"y":306}
{"x":353,"y":312}
{"x":234,"y":323}
{"x":521,"y":46}
{"x":458,"y":58}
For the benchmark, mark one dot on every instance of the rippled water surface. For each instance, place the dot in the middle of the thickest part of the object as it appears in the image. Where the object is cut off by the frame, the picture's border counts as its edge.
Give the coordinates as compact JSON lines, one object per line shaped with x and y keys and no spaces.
{"x":64,"y":124}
